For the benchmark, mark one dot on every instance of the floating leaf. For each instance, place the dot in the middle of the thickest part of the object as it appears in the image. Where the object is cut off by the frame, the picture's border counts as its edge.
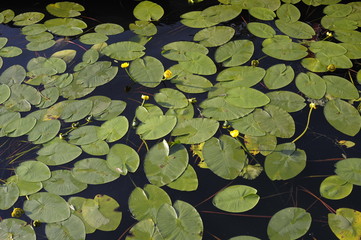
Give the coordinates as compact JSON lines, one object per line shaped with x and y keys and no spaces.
{"x":147,"y":111}
{"x":288,"y":13}
{"x":25,"y":187}
{"x":195,"y":130}
{"x":19,"y":127}
{"x":124,"y":51}
{"x":214,"y":36}
{"x":246,"y":97}
{"x":144,"y":229}
{"x":76,"y":204}
{"x":96,"y":74}
{"x":33,"y":171}
{"x":9,"y":193}
{"x":289,"y":223}
{"x":241,"y":76}
{"x":46,"y":207}
{"x":340,"y":87}
{"x":278,"y":76}
{"x":148,"y":11}
{"x":191,"y":83}
{"x":244,"y":238}
{"x":176,"y":50}
{"x":156,"y":127}
{"x":248,"y":126}
{"x":348,"y":36}
{"x":234,"y":53}
{"x":198,"y":63}
{"x":147,"y":71}
{"x":83,"y":135}
{"x":296,"y":29}
{"x":288,"y":101}
{"x":93,"y":38}
{"x":10,"y":51}
{"x":122,"y":159}
{"x":188,"y":181}
{"x":262,"y":13}
{"x":28,"y":18}
{"x":285,"y":162}
{"x":62,"y":182}
{"x":44,"y":131}
{"x":16,"y":229}
{"x":164,"y":164}
{"x":109,"y":28}
{"x":113,"y":129}
{"x":65,"y":9}
{"x":97,"y":148}
{"x":347,"y":170}
{"x":69,"y":229}
{"x":145,"y":203}
{"x":310,"y":84}
{"x":236,"y":198}
{"x":289,"y":51}
{"x":13,"y":75}
{"x":345,"y":224}
{"x":171,"y":98}
{"x":224,"y":156}
{"x":335,"y":188}
{"x":343,"y":116}
{"x":181,"y":222}
{"x":261,"y":30}
{"x":337,"y":10}
{"x":115,"y":108}
{"x":102,"y":213}
{"x":65,"y":26}
{"x":93,"y":171}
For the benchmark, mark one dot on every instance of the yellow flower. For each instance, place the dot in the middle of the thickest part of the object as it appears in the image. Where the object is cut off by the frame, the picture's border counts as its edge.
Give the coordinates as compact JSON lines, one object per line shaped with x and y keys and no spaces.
{"x":234,"y":133}
{"x":312,"y":105}
{"x":17,"y":212}
{"x":329,"y":34}
{"x":254,"y":63}
{"x":167,"y":74}
{"x":331,"y":67}
{"x":124,"y":65}
{"x":145,"y":97}
{"x":36,"y":223}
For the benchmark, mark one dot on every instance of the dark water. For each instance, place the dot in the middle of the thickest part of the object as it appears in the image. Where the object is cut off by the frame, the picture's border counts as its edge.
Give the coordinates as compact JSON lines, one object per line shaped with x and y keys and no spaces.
{"x":319,"y":142}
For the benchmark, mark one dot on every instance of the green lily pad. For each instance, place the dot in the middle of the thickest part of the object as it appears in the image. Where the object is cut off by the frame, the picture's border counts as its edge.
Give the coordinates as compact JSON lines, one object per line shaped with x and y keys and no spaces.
{"x":97,"y":148}
{"x":28,"y":18}
{"x":113,"y":129}
{"x":241,"y":76}
{"x":163,"y":164}
{"x":19,"y":127}
{"x":195,"y":130}
{"x":33,"y":171}
{"x":65,"y":26}
{"x":182,"y":113}
{"x":244,"y":238}
{"x":145,"y":229}
{"x":340,"y":87}
{"x":337,"y":23}
{"x":289,"y":223}
{"x":147,"y":111}
{"x":176,"y":50}
{"x":236,"y":198}
{"x":278,"y":76}
{"x":224,"y":156}
{"x":123,"y":159}
{"x":214,"y":36}
{"x":9,"y":194}
{"x":198,"y":63}
{"x":115,"y":108}
{"x":76,"y":204}
{"x":25,"y":187}
{"x":275,"y":121}
{"x":148,"y":11}
{"x":8,"y":15}
{"x":353,"y":50}
{"x":311,"y":84}
{"x":40,"y":37}
{"x":102,"y":212}
{"x":343,"y":116}
{"x":44,"y":131}
{"x":246,"y":97}
{"x":147,"y":71}
{"x":288,"y":101}
{"x":143,"y":28}
{"x":13,"y":228}
{"x":299,"y":30}
{"x":58,"y":153}
{"x":145,"y":203}
{"x":260,"y":144}
{"x":93,"y":38}
{"x":331,"y":49}
{"x":180,"y":221}
{"x":285,"y":50}
{"x":234,"y":53}
{"x":13,"y":75}
{"x":96,"y":74}
{"x":188,"y":181}
{"x":10,"y":51}
{"x":46,"y":207}
{"x":62,"y":182}
{"x":171,"y":98}
{"x":65,"y":9}
{"x":345,"y":223}
{"x":156,"y":127}
{"x":347,"y":170}
{"x":288,"y":13}
{"x":335,"y":188}
{"x":285,"y":162}
{"x":348,"y":36}
{"x":124,"y":51}
{"x":33,"y":29}
{"x":314,"y":65}
{"x":93,"y":171}
{"x":83,"y":135}
{"x":75,"y":110}
{"x":261,"y":30}
{"x":109,"y":28}
{"x":247,"y":125}
{"x":191,"y":83}
{"x":69,"y":229}
{"x":50,"y":96}
{"x":262,"y":13}
{"x":337,"y":10}
{"x":22,"y":97}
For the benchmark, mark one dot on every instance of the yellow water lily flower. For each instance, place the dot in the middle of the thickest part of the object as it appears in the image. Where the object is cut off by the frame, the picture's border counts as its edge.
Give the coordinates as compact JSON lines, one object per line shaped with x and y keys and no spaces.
{"x":17,"y":212}
{"x":331,"y":68}
{"x":124,"y":65}
{"x":312,"y":105}
{"x":167,"y":74}
{"x":234,"y":133}
{"x":145,"y":97}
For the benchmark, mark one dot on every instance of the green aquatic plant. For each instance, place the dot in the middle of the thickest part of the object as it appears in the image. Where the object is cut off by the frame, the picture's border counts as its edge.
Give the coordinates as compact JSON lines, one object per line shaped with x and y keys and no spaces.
{"x":229,"y":94}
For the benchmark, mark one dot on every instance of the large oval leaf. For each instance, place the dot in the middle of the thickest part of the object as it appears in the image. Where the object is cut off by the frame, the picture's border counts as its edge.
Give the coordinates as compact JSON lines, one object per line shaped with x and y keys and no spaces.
{"x":69,"y":229}
{"x":246,"y":97}
{"x":12,"y":228}
{"x":345,"y":224}
{"x":156,"y":127}
{"x":33,"y":171}
{"x":62,"y":182}
{"x":113,"y":129}
{"x":147,"y":71}
{"x":9,"y":193}
{"x":124,"y":51}
{"x":122,"y":159}
{"x":334,"y":187}
{"x":348,"y":168}
{"x":234,"y":53}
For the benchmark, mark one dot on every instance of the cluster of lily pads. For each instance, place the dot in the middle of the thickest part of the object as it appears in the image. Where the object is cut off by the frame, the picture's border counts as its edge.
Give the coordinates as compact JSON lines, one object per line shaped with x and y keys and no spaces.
{"x":243,"y":126}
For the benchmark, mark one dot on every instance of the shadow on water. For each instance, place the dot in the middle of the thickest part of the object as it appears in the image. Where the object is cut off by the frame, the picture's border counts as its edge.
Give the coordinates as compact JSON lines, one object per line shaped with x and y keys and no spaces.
{"x":320,"y":141}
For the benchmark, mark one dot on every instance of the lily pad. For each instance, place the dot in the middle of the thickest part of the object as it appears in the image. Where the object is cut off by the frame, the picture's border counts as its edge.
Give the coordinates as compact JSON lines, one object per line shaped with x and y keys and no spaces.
{"x":148,"y":11}
{"x":285,"y":162}
{"x":19,"y":127}
{"x":188,"y":181}
{"x":33,"y":171}
{"x":345,"y":223}
{"x":347,"y":170}
{"x":28,"y":18}
{"x":25,"y":187}
{"x":176,"y":50}
{"x":289,"y":223}
{"x":123,"y":159}
{"x":278,"y":76}
{"x":234,"y":53}
{"x":65,"y":26}
{"x":224,"y":156}
{"x":343,"y":116}
{"x":46,"y":207}
{"x":246,"y":97}
{"x":198,"y":63}
{"x":311,"y":84}
{"x":340,"y":87}
{"x":261,"y":30}
{"x":262,"y":13}
{"x":44,"y":131}
{"x":65,"y":9}
{"x":288,"y":13}
{"x":171,"y":98}
{"x":214,"y":36}
{"x":145,"y":229}
{"x":109,"y":28}
{"x":156,"y":127}
{"x":13,"y":228}
{"x":13,"y":75}
{"x":83,"y":135}
{"x":113,"y":129}
{"x":93,"y":171}
{"x":335,"y":188}
{"x":147,"y":111}
{"x":69,"y":229}
{"x":147,"y":71}
{"x":115,"y":108}
{"x":97,"y":148}
{"x":191,"y":83}
{"x":163,"y":164}
{"x":9,"y":194}
{"x":180,"y":221}
{"x":247,"y":125}
{"x":289,"y":51}
{"x":145,"y":203}
{"x":288,"y":101}
{"x":124,"y":51}
{"x":236,"y":198}
{"x":62,"y":182}
{"x":240,"y":76}
{"x":260,"y":144}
